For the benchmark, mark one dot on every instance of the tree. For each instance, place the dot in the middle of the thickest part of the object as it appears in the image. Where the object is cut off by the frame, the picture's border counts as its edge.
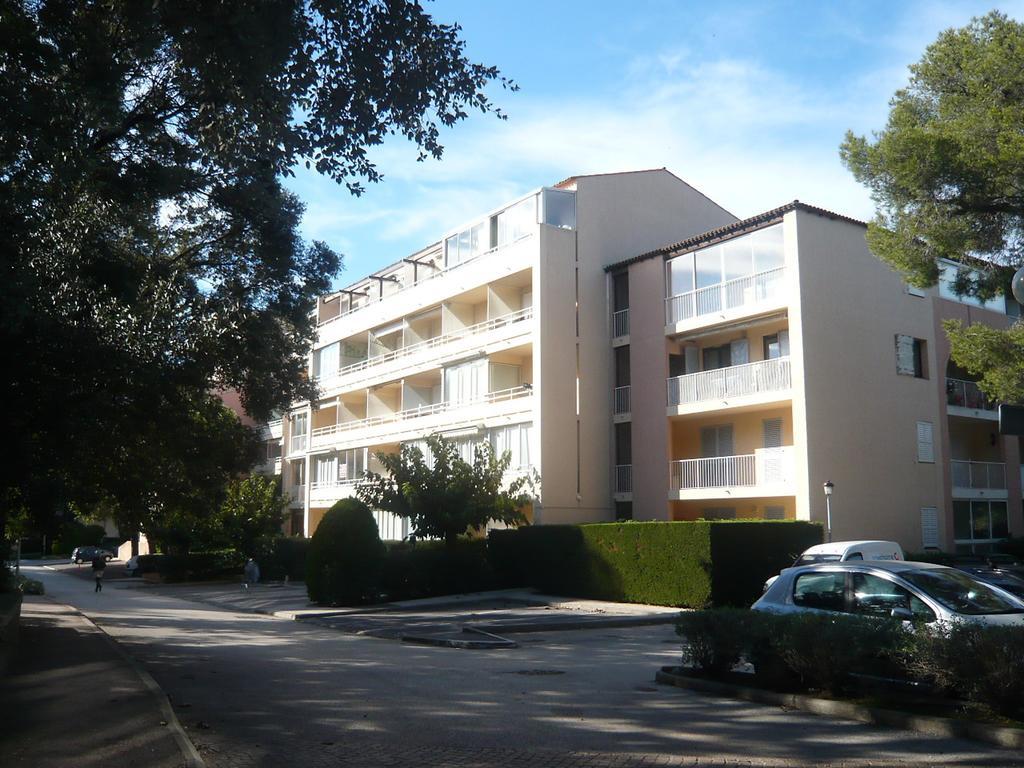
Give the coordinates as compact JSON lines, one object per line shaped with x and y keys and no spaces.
{"x":946,"y":177}
{"x":149,"y":251}
{"x":253,"y":509}
{"x":446,"y":497}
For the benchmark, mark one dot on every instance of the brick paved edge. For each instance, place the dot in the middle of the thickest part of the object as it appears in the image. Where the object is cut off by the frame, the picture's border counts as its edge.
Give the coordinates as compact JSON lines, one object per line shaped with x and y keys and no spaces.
{"x":1000,"y":736}
{"x":188,"y":750}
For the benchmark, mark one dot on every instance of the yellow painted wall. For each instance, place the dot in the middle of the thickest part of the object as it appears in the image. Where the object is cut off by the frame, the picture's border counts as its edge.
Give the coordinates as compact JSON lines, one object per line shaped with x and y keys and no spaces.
{"x":746,"y":509}
{"x":747,"y":431}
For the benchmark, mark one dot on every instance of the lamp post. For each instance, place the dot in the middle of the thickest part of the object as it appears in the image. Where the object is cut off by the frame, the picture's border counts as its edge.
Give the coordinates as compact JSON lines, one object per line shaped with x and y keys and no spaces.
{"x":829,"y":486}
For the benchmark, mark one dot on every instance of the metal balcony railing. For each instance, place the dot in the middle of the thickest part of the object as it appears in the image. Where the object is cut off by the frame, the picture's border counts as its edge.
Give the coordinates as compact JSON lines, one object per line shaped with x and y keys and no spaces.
{"x":326,"y":382}
{"x":620,"y":323}
{"x":967,"y":394}
{"x":721,"y":297}
{"x":504,"y":395}
{"x":979,"y":474}
{"x":623,"y":478}
{"x":620,"y":399}
{"x":766,"y":466}
{"x":733,"y":381}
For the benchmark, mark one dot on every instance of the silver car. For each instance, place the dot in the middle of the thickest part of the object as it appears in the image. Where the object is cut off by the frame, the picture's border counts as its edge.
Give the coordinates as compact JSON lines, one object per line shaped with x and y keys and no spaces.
{"x":897,"y":589}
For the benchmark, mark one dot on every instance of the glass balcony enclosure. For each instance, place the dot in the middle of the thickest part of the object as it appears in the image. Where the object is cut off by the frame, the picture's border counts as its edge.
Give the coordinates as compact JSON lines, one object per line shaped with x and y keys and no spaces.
{"x":740,"y":271}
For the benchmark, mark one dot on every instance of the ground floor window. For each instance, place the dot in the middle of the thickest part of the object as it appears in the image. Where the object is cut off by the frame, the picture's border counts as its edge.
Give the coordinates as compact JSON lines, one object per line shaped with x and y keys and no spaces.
{"x":979,"y":524}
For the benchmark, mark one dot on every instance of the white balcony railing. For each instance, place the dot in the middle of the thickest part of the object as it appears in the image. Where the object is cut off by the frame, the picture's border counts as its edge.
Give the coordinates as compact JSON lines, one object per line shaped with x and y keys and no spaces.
{"x":621,"y":400}
{"x":620,"y":323}
{"x":967,"y":394}
{"x":326,"y":382}
{"x":323,"y":485}
{"x":734,"y":381}
{"x":766,"y":466}
{"x":623,"y":478}
{"x":407,"y":286}
{"x":419,"y":411}
{"x":979,"y":474}
{"x":721,"y":297}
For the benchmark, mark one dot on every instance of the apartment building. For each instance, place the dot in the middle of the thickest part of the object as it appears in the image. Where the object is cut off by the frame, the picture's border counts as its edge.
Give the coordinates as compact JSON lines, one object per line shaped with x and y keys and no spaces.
{"x":497,"y":331}
{"x":758,"y":360}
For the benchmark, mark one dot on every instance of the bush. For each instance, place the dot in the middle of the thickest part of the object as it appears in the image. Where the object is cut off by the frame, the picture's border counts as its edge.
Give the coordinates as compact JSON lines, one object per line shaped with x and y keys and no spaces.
{"x":75,"y":534}
{"x":931,"y":556}
{"x":715,"y":641}
{"x":979,"y":663}
{"x":688,"y":564}
{"x":195,"y":566}
{"x":431,"y":569}
{"x":345,"y":556}
{"x":282,"y":557}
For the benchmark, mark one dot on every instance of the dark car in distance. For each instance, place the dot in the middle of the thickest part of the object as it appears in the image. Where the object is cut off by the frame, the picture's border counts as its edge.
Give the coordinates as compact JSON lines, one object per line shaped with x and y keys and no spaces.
{"x":88,"y":554}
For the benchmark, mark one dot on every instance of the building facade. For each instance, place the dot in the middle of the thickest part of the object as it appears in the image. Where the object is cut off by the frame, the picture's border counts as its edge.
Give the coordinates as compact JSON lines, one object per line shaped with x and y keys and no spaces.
{"x":783,"y":355}
{"x":727,"y":375}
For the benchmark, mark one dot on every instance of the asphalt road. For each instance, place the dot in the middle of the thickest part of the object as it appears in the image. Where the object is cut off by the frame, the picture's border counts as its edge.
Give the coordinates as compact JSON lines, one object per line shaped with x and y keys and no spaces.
{"x":258,"y":691}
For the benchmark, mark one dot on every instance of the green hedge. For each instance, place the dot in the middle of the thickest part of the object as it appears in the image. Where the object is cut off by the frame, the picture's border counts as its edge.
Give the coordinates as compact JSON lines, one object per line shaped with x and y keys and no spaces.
{"x":282,"y":557}
{"x":195,"y":566}
{"x":430,"y":569}
{"x":689,"y":564}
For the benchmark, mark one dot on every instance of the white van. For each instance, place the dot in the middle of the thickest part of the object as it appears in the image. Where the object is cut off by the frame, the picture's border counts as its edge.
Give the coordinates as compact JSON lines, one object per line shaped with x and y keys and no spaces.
{"x":841,"y":551}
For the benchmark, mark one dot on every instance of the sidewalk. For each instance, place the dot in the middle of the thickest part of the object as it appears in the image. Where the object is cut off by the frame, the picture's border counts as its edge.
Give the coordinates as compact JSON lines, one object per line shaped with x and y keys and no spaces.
{"x":70,"y":698}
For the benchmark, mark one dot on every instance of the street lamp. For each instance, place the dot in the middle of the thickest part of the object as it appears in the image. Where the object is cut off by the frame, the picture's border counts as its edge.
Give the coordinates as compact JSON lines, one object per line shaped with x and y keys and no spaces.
{"x":829,"y":486}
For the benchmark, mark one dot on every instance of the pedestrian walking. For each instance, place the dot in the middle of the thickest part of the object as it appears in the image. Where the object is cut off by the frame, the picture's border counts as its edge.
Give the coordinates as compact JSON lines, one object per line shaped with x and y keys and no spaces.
{"x":99,"y":565}
{"x":251,"y":573}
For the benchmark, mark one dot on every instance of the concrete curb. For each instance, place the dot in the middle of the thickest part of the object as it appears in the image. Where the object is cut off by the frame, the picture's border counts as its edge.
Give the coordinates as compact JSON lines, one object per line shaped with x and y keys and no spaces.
{"x":493,"y":642}
{"x":188,"y":750}
{"x":1000,"y":736}
{"x":514,"y":626}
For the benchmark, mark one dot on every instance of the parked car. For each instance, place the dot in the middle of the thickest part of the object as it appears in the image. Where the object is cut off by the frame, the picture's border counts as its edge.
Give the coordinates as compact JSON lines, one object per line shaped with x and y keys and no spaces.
{"x":893,"y":588}
{"x":1009,"y":582}
{"x":86,"y":554}
{"x":843,"y":551}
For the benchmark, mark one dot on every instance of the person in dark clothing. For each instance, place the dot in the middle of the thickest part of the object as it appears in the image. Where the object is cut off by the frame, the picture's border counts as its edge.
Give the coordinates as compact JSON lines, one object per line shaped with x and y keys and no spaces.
{"x":99,"y":564}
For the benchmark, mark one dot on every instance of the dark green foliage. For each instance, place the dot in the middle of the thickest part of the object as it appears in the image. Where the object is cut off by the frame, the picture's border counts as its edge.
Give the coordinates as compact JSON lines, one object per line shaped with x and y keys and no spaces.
{"x":431,"y":569}
{"x":76,"y":534}
{"x":1014,"y":547}
{"x":253,"y":509}
{"x":151,"y":252}
{"x":945,"y":176}
{"x":282,"y":556}
{"x":195,"y":566}
{"x":979,"y":663}
{"x":715,"y":641}
{"x":931,"y":556}
{"x":689,"y":564}
{"x":345,"y":556}
{"x":448,"y":497}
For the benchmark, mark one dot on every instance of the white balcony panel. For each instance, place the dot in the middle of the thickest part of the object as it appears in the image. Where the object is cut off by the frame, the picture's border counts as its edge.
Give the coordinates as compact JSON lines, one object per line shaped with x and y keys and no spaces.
{"x":487,"y":267}
{"x":488,"y":337}
{"x":978,"y":479}
{"x":766,"y":472}
{"x":763,"y":382}
{"x":493,"y":409}
{"x":327,"y":493}
{"x":620,"y":323}
{"x":621,"y":401}
{"x":623,"y":479}
{"x":726,"y":302}
{"x":296,"y":495}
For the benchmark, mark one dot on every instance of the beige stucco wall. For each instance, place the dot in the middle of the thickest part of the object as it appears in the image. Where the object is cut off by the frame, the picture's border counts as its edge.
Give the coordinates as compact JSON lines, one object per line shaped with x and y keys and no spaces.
{"x":855,"y":419}
{"x":747,"y":428}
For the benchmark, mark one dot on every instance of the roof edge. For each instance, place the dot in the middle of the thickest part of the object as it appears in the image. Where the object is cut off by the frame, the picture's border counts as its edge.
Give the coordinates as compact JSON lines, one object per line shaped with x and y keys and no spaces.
{"x":730,"y":230}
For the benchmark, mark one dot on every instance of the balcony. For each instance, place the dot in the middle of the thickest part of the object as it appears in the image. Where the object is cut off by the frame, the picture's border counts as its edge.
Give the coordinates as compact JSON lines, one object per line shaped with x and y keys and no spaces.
{"x":330,"y":491}
{"x":423,"y":419}
{"x":420,"y":352}
{"x":760,"y":383}
{"x":766,"y":472}
{"x":978,"y":479}
{"x":297,"y":444}
{"x":296,"y":495}
{"x":620,"y":401}
{"x":620,"y":323}
{"x":724,"y":302}
{"x":965,"y":398}
{"x":623,"y":480}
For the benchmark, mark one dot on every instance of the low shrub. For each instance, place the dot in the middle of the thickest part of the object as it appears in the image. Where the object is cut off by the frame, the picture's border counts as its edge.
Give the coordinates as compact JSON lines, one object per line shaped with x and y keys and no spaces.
{"x":430,"y":569}
{"x":714,"y":641}
{"x":345,"y":556}
{"x":195,"y":566}
{"x":282,"y":557}
{"x":979,"y":663}
{"x":931,"y":556}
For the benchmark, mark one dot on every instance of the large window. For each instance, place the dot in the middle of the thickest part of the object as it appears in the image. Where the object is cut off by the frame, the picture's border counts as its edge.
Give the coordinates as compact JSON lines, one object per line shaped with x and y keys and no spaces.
{"x":326,"y":360}
{"x":979,"y":523}
{"x":755,"y":253}
{"x":948,"y":272}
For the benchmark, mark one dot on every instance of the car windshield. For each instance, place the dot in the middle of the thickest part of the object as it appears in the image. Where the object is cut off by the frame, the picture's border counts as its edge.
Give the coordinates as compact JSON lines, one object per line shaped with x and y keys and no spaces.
{"x":812,"y":559}
{"x":961,"y":593}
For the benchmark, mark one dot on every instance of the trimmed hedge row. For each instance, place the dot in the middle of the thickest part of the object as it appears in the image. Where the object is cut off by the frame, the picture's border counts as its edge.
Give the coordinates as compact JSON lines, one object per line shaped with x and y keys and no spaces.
{"x":840,"y":654}
{"x":430,"y":569}
{"x":688,"y":564}
{"x":195,"y":566}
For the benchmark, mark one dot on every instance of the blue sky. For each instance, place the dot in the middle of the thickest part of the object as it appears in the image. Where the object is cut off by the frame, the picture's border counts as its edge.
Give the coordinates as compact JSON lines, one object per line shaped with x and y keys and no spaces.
{"x":747,"y":101}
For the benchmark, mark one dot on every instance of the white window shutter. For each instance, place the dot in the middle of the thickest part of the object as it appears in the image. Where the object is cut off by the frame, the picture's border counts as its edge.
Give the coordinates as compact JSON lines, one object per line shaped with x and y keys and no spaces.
{"x":929,"y":527}
{"x":773,"y":433}
{"x":925,"y":442}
